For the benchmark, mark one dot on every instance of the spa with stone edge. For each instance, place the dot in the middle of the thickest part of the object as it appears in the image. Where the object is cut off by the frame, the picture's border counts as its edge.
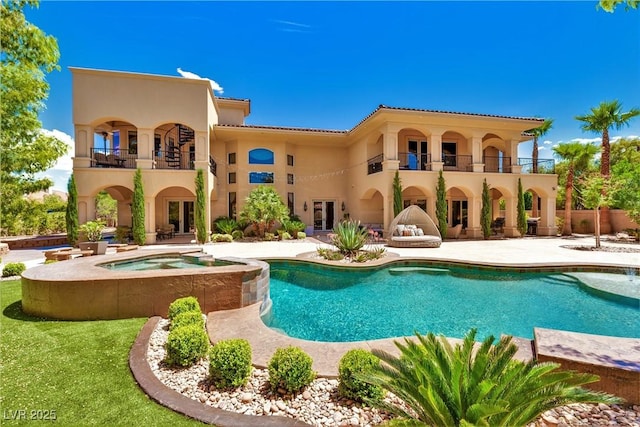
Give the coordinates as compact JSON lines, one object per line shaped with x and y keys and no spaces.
{"x":123,"y":286}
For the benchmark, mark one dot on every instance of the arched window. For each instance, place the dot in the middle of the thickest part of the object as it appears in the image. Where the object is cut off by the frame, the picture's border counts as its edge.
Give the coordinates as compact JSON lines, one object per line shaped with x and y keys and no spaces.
{"x":260,"y":156}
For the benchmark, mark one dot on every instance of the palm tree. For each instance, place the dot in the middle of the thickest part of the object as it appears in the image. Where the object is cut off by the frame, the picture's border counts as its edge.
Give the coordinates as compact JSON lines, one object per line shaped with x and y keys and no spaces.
{"x":578,"y":156}
{"x":538,"y":132}
{"x":473,"y":384}
{"x":607,"y":115}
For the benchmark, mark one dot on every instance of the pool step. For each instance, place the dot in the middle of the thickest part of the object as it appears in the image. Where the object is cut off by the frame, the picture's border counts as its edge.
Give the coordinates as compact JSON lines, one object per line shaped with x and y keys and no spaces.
{"x":396,"y":271}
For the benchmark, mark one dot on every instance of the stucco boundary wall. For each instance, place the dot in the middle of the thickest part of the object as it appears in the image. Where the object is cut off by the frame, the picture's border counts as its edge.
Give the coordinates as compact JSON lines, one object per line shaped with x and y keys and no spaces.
{"x":81,"y":289}
{"x":613,"y":359}
{"x":582,"y":221}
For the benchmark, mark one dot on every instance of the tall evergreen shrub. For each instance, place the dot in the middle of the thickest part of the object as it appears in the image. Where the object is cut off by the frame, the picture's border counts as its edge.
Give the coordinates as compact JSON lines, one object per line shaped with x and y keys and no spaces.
{"x":201,"y":225}
{"x":441,"y":205}
{"x":137,"y":209}
{"x":485,"y":213}
{"x":522,"y":217}
{"x":71,"y":215}
{"x":397,"y":194}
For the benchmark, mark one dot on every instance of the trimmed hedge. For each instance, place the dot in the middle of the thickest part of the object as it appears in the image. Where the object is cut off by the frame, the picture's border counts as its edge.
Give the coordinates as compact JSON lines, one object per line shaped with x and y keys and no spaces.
{"x":230,"y":363}
{"x":13,"y":269}
{"x":187,"y":318}
{"x":184,"y":305}
{"x":290,"y":369}
{"x":186,"y":345}
{"x":354,"y":363}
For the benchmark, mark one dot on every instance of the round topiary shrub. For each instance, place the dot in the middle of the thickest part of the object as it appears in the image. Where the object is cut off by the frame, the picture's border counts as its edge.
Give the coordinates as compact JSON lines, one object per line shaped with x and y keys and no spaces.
{"x":187,"y":318}
{"x":183,"y":305}
{"x":354,"y":363}
{"x":13,"y":269}
{"x":290,"y":369}
{"x":230,"y":363}
{"x":186,"y":345}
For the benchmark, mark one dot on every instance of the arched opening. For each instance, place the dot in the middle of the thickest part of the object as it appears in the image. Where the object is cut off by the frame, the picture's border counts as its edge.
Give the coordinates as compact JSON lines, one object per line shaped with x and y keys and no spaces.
{"x":174,"y":146}
{"x":175,"y":206}
{"x":458,"y":208}
{"x":372,"y":208}
{"x":414,"y":196}
{"x":456,"y":153}
{"x":114,"y":145}
{"x":412,"y":150}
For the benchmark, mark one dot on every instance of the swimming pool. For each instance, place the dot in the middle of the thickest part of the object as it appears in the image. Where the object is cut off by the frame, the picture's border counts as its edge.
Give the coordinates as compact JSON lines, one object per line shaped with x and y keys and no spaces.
{"x":317,"y":303}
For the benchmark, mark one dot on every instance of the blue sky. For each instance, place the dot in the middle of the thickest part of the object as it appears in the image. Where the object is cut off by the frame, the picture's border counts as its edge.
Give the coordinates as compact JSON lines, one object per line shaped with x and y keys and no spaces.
{"x":329,"y":64}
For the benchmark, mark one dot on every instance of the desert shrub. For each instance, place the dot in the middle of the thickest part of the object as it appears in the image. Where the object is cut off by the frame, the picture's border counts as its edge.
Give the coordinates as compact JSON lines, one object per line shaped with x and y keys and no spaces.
{"x":286,"y":236}
{"x":269,"y":236}
{"x":290,"y":369}
{"x":237,"y":235}
{"x":216,"y":237}
{"x":122,"y":234}
{"x":187,"y":318}
{"x":225,"y":225}
{"x":13,"y":269}
{"x":354,"y":363}
{"x":230,"y":363}
{"x":330,"y":255}
{"x":301,"y":235}
{"x":293,"y":227}
{"x":349,"y":237}
{"x":186,"y":345}
{"x":50,"y":261}
{"x":184,"y":305}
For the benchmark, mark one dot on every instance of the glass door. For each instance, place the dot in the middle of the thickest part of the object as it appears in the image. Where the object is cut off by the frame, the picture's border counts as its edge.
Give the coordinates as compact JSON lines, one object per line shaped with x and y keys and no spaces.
{"x":182,"y":215}
{"x":323,"y":215}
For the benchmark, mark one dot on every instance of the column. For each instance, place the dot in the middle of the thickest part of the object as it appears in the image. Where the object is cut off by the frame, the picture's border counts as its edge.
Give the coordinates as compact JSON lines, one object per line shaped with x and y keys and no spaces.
{"x":150,"y":220}
{"x":512,"y":151}
{"x":474,"y":205}
{"x":476,"y":153}
{"x":83,"y":145}
{"x":547,"y":223}
{"x":435,"y":148}
{"x":144,"y":158}
{"x":86,"y":209}
{"x":511,"y":216}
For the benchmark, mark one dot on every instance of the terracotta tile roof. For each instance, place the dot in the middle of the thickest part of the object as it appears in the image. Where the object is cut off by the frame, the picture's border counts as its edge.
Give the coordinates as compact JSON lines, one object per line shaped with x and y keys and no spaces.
{"x":284,"y":128}
{"x":227,"y":98}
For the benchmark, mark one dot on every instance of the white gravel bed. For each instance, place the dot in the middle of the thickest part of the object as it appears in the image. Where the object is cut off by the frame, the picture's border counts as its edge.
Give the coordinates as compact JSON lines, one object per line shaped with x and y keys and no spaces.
{"x":320,"y":405}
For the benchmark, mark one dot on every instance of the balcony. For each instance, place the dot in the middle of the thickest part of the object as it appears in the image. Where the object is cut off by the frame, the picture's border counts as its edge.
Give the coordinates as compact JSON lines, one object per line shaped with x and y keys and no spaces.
{"x":110,"y":158}
{"x":374,"y":164}
{"x":414,"y":162}
{"x":544,"y":166}
{"x":162,"y":159}
{"x":497,"y":164}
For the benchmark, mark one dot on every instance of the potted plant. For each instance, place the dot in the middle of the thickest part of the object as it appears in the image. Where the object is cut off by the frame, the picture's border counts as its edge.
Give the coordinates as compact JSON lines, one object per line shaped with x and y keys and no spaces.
{"x":92,"y":231}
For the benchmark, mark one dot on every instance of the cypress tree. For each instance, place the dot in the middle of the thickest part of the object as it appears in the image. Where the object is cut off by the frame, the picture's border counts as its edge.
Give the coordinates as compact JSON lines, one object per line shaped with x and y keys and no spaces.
{"x":137,"y":209}
{"x":397,"y":195}
{"x":201,"y":226}
{"x":71,"y":216}
{"x":522,"y":217}
{"x":485,"y":213}
{"x":441,"y":205}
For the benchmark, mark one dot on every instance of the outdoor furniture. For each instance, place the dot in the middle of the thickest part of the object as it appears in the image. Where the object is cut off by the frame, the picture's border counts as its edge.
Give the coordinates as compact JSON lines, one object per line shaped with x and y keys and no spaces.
{"x":413,"y":228}
{"x":454,"y":232}
{"x":497,"y":225}
{"x":165,"y":232}
{"x":108,"y":161}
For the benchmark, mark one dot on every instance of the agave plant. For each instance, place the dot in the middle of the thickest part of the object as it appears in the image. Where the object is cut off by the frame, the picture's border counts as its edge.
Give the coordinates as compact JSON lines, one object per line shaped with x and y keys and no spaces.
{"x":226,"y":225}
{"x":459,"y":386}
{"x":349,"y":237}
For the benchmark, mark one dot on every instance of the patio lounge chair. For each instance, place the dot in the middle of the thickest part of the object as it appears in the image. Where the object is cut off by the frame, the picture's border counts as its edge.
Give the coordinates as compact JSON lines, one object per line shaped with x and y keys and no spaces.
{"x":413,"y":228}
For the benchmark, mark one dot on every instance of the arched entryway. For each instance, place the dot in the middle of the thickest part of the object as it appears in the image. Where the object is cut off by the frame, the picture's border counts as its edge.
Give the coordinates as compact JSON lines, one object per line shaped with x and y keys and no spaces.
{"x":176,"y":206}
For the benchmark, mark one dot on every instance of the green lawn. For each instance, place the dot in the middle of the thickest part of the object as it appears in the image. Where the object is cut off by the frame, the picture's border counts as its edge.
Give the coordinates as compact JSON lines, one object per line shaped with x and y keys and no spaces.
{"x":77,"y":369}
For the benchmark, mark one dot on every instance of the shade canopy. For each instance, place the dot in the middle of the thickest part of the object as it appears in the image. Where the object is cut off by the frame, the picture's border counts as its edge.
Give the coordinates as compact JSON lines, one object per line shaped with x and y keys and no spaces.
{"x":415,"y":215}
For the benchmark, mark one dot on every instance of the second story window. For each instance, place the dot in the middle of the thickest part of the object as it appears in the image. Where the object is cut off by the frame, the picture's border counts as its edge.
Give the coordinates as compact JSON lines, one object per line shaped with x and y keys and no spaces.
{"x":232,"y":158}
{"x":232,"y":177}
{"x":289,"y":160}
{"x":261,"y":156}
{"x":290,"y":178}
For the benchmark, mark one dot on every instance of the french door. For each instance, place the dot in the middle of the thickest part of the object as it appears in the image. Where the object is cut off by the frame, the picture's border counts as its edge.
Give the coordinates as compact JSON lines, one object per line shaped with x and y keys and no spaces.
{"x":181,"y":215}
{"x":323,"y":215}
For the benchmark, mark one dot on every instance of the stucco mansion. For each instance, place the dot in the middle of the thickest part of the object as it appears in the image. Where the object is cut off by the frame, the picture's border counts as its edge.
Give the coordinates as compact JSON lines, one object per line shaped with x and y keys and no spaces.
{"x":171,"y":126}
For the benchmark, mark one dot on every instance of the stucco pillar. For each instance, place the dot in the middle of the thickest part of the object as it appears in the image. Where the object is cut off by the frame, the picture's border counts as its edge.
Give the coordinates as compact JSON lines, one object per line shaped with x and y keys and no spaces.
{"x":86,"y":209}
{"x":150,"y":219}
{"x":124,"y":213}
{"x":512,"y":152}
{"x":547,"y":222}
{"x":476,"y":153}
{"x":144,"y":158}
{"x":202,"y":146}
{"x":435,"y":148}
{"x":511,"y":215}
{"x":474,"y":206}
{"x":390,"y":143}
{"x":83,"y":144}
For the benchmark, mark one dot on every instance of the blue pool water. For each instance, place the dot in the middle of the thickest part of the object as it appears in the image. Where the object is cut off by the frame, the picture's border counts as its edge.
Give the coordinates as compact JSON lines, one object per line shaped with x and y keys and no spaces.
{"x":320,"y":304}
{"x":164,"y":263}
